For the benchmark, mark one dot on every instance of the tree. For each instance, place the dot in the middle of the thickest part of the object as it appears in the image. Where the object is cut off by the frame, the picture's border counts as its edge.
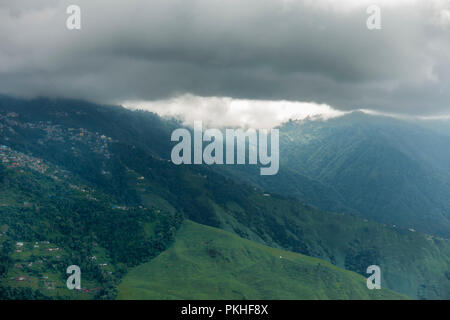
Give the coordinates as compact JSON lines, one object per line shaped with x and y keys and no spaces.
{"x":2,"y":173}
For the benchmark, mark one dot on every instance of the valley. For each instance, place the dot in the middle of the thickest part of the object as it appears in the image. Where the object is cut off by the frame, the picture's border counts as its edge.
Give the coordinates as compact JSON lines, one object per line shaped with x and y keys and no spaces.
{"x":104,"y":181}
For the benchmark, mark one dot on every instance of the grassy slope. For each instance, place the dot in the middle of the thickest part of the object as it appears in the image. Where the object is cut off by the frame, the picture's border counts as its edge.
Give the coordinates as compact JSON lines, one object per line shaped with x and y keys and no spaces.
{"x":412,"y":263}
{"x":209,"y":263}
{"x":44,"y":219}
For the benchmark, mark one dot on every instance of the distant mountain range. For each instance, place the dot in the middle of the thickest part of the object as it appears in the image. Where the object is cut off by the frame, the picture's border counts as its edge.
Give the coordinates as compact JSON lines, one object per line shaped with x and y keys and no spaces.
{"x":97,"y":181}
{"x":388,"y":170}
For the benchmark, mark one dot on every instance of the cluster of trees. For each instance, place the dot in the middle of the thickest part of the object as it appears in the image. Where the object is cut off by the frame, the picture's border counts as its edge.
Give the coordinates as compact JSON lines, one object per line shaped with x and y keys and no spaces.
{"x":77,"y":224}
{"x":21,"y":293}
{"x":5,"y":259}
{"x":2,"y":172}
{"x":358,"y":257}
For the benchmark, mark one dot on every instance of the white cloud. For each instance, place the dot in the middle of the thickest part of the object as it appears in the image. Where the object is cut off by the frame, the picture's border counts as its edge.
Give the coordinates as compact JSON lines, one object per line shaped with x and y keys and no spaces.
{"x":219,"y":112}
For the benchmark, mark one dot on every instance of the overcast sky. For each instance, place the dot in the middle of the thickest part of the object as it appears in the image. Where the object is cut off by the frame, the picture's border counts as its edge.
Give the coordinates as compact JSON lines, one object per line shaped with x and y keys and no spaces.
{"x":315,"y":53}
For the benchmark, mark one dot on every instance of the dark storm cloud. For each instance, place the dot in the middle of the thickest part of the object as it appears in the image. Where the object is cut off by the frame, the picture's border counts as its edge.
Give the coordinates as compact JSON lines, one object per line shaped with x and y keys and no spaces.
{"x":307,"y":50}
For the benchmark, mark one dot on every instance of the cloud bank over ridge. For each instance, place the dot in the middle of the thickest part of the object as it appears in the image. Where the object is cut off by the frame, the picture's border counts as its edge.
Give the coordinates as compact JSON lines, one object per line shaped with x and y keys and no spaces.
{"x":276,"y":50}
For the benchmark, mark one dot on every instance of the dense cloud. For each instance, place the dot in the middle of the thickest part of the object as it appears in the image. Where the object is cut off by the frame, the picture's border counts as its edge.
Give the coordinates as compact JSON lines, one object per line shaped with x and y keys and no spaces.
{"x":228,"y":112}
{"x":312,"y":50}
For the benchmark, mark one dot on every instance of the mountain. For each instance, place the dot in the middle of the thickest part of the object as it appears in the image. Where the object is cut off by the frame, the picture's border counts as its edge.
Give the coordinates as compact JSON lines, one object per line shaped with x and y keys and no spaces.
{"x":208,"y":263}
{"x":122,"y":157}
{"x":51,"y":219}
{"x":388,"y":170}
{"x":393,"y":171}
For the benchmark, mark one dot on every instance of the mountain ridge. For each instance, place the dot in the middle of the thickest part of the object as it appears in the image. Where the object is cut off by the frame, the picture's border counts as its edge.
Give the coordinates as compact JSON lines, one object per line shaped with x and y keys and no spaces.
{"x":137,"y":172}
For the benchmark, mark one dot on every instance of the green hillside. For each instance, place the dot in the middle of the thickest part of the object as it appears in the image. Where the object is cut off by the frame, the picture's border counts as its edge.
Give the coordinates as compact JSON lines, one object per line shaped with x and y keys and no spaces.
{"x":51,"y":220}
{"x":388,"y":170}
{"x":126,"y":193}
{"x":208,"y":263}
